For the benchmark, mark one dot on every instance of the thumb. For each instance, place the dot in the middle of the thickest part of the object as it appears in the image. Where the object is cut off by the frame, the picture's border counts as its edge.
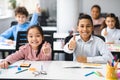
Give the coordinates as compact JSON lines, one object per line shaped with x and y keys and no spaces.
{"x":45,"y":44}
{"x":74,"y":37}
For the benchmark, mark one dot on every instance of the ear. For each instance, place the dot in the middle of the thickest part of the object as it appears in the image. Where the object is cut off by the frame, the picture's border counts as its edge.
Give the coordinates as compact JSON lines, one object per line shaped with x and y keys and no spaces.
{"x":77,"y":29}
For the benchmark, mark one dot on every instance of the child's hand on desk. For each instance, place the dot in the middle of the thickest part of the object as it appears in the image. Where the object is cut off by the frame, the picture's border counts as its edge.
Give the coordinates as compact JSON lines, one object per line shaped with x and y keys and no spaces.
{"x":9,"y":41}
{"x":4,"y":64}
{"x":46,"y":48}
{"x":82,"y":59}
{"x":105,"y":32}
{"x":72,"y":43}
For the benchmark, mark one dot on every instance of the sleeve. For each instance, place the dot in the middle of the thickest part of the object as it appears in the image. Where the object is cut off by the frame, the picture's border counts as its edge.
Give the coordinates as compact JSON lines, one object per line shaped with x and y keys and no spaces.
{"x":7,"y":34}
{"x":20,"y":54}
{"x":102,"y":32}
{"x":46,"y":56}
{"x":34,"y":19}
{"x":66,"y":49}
{"x":117,"y":41}
{"x":105,"y":54}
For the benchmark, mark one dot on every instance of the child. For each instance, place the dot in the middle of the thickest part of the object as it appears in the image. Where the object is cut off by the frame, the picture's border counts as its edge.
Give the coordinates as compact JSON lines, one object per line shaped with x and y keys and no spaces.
{"x":36,"y":49}
{"x":97,"y":20}
{"x":87,"y":47}
{"x":21,"y":15}
{"x":111,"y":31}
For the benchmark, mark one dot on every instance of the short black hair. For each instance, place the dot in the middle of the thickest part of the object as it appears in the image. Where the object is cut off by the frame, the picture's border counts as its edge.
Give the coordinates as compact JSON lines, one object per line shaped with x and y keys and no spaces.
{"x":96,"y":6}
{"x":85,"y":16}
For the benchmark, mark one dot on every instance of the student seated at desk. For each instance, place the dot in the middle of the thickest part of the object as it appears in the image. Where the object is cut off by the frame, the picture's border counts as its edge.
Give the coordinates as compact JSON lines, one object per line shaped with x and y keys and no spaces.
{"x":97,"y":19}
{"x":87,"y":47}
{"x":21,"y":15}
{"x":111,"y":29}
{"x":36,"y":49}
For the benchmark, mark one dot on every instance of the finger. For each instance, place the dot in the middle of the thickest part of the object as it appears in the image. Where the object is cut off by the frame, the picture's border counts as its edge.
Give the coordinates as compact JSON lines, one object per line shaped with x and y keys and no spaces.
{"x":74,"y":37}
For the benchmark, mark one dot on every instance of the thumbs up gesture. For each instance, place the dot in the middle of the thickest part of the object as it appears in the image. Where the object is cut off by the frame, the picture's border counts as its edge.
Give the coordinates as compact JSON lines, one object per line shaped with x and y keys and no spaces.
{"x":105,"y":32}
{"x":72,"y":43}
{"x":46,"y":48}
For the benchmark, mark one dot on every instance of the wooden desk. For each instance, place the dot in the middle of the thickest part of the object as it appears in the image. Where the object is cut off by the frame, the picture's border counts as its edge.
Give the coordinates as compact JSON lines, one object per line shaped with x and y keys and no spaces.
{"x":55,"y":71}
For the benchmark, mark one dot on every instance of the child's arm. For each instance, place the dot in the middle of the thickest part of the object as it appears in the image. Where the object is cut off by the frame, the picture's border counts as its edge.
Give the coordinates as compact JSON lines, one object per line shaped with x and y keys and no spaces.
{"x":70,"y":46}
{"x":4,"y":37}
{"x":34,"y":19}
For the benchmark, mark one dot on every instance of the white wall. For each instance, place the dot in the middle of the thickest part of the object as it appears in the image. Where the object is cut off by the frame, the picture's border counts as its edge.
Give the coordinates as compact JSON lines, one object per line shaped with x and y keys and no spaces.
{"x":109,"y":6}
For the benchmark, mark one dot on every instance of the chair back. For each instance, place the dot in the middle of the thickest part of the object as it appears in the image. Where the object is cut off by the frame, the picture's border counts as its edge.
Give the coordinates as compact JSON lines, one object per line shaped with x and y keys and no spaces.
{"x":21,"y":39}
{"x":68,"y":57}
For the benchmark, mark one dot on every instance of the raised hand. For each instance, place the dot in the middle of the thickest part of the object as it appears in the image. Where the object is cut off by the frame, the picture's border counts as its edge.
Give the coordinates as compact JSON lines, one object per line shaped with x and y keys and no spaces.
{"x":46,"y":48}
{"x":38,"y":9}
{"x":105,"y":32}
{"x":72,"y":43}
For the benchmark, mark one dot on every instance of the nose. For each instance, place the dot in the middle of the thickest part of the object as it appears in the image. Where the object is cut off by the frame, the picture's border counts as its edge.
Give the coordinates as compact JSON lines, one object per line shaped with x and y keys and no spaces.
{"x":85,"y":28}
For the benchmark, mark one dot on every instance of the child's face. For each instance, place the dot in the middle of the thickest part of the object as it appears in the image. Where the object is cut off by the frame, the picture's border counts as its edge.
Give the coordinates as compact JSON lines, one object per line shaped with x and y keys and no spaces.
{"x":34,"y":38}
{"x":95,"y":13}
{"x":21,"y":18}
{"x":85,"y":29}
{"x":110,"y":22}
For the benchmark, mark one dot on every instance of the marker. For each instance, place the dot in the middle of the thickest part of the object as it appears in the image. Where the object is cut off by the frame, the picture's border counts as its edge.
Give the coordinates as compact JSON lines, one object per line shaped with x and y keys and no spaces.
{"x":21,"y":71}
{"x":89,"y":74}
{"x":12,"y":66}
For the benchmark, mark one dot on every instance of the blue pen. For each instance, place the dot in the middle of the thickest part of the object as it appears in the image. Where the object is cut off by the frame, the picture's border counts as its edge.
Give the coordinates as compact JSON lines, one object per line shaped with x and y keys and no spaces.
{"x":113,"y":63}
{"x":89,"y":73}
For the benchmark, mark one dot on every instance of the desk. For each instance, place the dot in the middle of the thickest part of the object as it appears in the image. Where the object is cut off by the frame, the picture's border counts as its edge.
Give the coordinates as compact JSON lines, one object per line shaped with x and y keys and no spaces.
{"x":114,"y":47}
{"x":5,"y":47}
{"x":55,"y":70}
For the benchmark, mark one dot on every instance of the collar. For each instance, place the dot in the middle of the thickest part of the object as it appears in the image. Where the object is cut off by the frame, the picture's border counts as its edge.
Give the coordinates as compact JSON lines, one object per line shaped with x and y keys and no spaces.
{"x":78,"y":38}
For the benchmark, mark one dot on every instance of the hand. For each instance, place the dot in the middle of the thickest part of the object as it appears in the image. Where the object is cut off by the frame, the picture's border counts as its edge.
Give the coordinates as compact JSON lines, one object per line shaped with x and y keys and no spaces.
{"x":110,"y":42}
{"x":105,"y":32}
{"x":81,"y":59}
{"x":72,"y":43}
{"x":9,"y":41}
{"x":4,"y":64}
{"x":38,"y":9}
{"x":46,"y":48}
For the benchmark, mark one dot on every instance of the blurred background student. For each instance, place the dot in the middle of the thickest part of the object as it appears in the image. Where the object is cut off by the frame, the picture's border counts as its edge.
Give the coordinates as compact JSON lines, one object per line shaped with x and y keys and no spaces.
{"x":97,"y":19}
{"x":111,"y":29}
{"x":21,"y":15}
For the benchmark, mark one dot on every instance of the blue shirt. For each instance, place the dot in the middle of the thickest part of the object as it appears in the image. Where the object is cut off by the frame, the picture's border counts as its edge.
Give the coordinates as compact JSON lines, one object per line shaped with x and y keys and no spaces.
{"x":12,"y":31}
{"x":94,"y":49}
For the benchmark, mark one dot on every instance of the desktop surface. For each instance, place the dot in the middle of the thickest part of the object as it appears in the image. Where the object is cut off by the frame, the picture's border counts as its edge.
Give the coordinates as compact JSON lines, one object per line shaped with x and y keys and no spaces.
{"x":56,"y":70}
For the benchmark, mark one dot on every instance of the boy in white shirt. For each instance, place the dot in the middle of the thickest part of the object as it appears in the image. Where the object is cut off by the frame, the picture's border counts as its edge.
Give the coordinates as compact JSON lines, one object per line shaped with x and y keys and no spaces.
{"x":87,"y":47}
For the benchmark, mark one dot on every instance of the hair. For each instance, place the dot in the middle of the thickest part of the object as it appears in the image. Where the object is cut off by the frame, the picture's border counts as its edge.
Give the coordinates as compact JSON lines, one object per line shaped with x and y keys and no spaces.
{"x":42,"y":34}
{"x":112,"y":15}
{"x":85,"y":16}
{"x":96,"y":6}
{"x":21,"y":10}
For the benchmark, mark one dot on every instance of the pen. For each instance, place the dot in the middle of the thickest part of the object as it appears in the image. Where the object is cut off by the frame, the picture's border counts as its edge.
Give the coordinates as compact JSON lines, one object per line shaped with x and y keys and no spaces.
{"x":89,"y":74}
{"x":21,"y":71}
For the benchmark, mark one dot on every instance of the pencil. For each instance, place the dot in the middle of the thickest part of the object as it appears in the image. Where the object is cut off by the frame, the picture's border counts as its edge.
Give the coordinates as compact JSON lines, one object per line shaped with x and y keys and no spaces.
{"x":21,"y":71}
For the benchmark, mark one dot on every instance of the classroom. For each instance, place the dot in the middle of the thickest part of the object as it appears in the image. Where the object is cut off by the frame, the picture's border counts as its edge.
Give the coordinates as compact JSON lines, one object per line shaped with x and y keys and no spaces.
{"x":63,"y":52}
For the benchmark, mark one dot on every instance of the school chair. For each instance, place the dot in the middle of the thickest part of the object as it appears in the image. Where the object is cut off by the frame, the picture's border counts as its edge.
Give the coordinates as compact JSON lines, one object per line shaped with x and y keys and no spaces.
{"x":21,"y":39}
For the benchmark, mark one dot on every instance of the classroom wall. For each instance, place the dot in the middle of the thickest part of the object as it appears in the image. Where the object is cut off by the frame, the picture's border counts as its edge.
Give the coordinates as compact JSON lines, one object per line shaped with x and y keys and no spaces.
{"x":106,"y":6}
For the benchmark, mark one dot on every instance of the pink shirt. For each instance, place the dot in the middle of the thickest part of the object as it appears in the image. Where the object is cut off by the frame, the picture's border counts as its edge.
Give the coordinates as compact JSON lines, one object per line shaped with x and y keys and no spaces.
{"x":27,"y":53}
{"x":98,"y":21}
